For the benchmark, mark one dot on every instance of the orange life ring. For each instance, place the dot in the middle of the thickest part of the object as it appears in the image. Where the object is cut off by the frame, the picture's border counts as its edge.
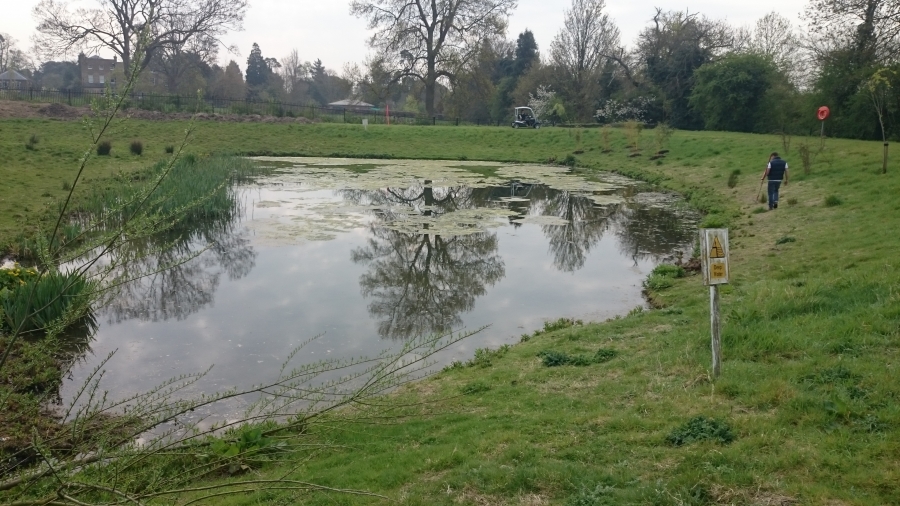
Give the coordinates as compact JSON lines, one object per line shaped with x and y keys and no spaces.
{"x":823,"y":113}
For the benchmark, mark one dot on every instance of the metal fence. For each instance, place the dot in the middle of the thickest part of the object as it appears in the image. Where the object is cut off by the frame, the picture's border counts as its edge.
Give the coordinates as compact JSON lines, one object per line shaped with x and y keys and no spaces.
{"x":214,"y":105}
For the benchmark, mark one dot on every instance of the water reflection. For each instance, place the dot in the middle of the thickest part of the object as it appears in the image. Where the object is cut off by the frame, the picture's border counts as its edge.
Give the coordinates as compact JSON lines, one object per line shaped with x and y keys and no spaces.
{"x":177,"y":274}
{"x":647,"y":232}
{"x":416,"y":282}
{"x":421,"y":283}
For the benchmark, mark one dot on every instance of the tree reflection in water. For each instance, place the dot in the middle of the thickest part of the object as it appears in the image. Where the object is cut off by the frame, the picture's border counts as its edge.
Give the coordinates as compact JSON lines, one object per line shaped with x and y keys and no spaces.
{"x":178,"y":274}
{"x":587,"y":222}
{"x":648,"y":232}
{"x":421,"y":283}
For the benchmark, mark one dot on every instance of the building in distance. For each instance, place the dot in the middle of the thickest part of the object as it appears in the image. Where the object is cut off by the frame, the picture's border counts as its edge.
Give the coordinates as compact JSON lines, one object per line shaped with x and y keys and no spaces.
{"x":12,"y":80}
{"x":96,"y":72}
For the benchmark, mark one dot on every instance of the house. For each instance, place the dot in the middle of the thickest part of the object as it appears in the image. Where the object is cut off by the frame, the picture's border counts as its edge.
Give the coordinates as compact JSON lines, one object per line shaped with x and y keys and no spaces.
{"x":96,"y":72}
{"x":12,"y":80}
{"x":351,"y":104}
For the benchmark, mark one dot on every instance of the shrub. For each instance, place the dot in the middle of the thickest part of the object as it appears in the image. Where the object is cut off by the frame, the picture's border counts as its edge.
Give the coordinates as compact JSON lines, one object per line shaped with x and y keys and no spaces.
{"x":11,"y":279}
{"x":701,"y":428}
{"x":137,"y":147}
{"x":792,"y":202}
{"x":170,"y":149}
{"x":605,"y":355}
{"x":669,"y":270}
{"x":733,"y":178}
{"x":32,"y":142}
{"x":832,"y":200}
{"x":554,"y":358}
{"x":484,"y":357}
{"x":657,"y":282}
{"x":104,"y":148}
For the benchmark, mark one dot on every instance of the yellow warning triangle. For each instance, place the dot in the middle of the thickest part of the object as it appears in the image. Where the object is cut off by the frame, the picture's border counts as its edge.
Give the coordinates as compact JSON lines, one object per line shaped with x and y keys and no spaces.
{"x":717,"y":251}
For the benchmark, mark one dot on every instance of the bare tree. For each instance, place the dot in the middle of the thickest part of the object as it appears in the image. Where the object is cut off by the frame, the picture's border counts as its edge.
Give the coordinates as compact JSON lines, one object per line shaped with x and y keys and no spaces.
{"x":431,"y":40}
{"x":870,"y":27}
{"x":12,"y":57}
{"x":294,"y":71}
{"x":582,"y":45}
{"x":775,"y":38}
{"x":177,"y":62}
{"x":116,"y":25}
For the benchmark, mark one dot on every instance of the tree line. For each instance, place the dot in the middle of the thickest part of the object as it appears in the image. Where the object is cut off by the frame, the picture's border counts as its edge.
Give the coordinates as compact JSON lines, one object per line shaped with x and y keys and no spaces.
{"x":452,"y":58}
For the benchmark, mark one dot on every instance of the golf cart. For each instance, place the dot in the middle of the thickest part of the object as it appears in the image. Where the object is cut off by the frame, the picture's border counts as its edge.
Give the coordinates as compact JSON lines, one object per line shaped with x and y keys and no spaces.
{"x":524,"y":118}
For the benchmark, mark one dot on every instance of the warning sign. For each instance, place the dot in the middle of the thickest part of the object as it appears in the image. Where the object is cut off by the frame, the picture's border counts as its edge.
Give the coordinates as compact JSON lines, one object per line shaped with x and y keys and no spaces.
{"x":716,"y":251}
{"x":714,"y":255}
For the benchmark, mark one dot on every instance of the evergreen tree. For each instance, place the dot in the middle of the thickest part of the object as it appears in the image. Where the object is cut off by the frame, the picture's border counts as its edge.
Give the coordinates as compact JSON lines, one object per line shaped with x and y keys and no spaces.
{"x":257,"y":69}
{"x":526,"y":52}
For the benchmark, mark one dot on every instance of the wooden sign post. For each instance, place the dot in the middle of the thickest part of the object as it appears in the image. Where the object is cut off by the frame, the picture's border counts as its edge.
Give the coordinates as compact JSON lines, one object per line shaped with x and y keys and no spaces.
{"x":714,"y":260}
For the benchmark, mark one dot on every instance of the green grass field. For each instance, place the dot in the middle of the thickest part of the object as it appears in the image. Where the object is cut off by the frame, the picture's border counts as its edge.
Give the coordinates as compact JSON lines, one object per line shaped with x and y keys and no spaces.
{"x":811,"y":335}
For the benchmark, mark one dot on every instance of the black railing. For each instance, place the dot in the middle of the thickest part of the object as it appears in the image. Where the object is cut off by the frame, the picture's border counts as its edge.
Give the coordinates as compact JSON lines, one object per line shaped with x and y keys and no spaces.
{"x":215,"y":105}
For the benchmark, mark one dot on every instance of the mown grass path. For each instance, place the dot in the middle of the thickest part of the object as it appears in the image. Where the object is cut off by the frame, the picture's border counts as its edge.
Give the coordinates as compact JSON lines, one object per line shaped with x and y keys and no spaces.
{"x":811,"y":334}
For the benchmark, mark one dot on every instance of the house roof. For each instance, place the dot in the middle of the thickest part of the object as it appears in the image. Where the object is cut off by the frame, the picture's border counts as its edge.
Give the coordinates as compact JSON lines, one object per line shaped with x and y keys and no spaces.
{"x":350,"y":103}
{"x":12,"y":75}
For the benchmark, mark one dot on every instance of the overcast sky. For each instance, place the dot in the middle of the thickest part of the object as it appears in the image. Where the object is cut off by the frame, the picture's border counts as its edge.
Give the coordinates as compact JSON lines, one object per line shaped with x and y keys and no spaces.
{"x":324,"y":28}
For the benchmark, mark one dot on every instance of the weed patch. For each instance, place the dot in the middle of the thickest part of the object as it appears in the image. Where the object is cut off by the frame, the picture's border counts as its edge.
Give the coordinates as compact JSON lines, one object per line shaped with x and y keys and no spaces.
{"x":552,"y":358}
{"x":701,"y":429}
{"x":485,"y":357}
{"x":136,"y":147}
{"x":832,"y":201}
{"x":475,"y":387}
{"x":784,"y":240}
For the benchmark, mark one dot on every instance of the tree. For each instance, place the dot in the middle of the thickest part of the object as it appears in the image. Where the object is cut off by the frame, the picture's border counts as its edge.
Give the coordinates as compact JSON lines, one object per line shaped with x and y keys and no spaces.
{"x":117,"y":25}
{"x":526,"y":52}
{"x":878,"y":87}
{"x":230,"y":84}
{"x":58,"y":75}
{"x":257,"y":70}
{"x":12,"y":57}
{"x":730,"y":94}
{"x":870,"y":28}
{"x":293,"y":71}
{"x":580,"y":47}
{"x":431,"y":40}
{"x":187,"y":66}
{"x":677,"y":44}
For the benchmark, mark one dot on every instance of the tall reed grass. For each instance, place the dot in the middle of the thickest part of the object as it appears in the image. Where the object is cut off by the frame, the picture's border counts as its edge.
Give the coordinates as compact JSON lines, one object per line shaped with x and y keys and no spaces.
{"x":40,"y":302}
{"x":195,"y":189}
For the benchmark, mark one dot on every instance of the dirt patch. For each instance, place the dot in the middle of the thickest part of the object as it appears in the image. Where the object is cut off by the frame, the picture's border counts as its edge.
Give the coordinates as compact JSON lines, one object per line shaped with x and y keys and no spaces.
{"x":17,"y":109}
{"x":62,"y":111}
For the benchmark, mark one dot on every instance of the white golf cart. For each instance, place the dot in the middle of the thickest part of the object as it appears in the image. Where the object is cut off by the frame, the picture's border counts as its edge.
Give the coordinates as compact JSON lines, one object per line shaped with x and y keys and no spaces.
{"x":524,"y":118}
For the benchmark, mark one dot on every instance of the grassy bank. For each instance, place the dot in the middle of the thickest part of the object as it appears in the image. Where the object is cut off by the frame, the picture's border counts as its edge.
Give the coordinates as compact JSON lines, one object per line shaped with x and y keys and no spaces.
{"x":806,"y":411}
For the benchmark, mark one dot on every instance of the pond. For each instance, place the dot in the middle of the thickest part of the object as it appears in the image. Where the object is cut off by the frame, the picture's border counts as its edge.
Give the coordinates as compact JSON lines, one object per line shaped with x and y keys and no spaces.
{"x":367,"y":254}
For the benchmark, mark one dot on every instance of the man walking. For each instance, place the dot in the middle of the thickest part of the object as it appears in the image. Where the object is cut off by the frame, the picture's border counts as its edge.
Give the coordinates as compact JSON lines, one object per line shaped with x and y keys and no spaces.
{"x":776,"y":172}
